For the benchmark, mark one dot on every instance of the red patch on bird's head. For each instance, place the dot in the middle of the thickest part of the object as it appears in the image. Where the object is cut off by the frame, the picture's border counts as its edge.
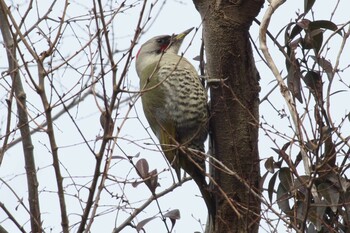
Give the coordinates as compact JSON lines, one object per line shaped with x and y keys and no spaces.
{"x":138,"y":53}
{"x":164,"y":47}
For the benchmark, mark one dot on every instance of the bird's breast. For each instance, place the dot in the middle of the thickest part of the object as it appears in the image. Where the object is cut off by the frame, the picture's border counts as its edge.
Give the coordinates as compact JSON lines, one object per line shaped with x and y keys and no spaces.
{"x":185,"y":97}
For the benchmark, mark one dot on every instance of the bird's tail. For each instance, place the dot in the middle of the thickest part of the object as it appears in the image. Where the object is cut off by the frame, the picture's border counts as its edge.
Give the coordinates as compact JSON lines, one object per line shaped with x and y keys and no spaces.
{"x":194,"y":164}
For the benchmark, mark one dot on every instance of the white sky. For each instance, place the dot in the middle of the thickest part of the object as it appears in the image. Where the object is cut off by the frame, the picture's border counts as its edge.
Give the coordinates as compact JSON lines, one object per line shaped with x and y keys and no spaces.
{"x":176,"y":16}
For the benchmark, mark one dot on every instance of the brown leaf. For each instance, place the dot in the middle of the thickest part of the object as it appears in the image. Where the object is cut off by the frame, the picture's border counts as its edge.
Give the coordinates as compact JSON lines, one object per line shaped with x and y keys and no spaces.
{"x":136,"y":183}
{"x":294,"y":76}
{"x":142,"y":168}
{"x":142,"y":223}
{"x":152,"y":180}
{"x":326,"y":66}
{"x":304,"y":24}
{"x":173,"y":215}
{"x":313,"y":81}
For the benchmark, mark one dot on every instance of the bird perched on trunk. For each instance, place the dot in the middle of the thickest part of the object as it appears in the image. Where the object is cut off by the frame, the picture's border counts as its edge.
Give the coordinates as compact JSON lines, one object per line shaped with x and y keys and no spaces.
{"x":175,"y":105}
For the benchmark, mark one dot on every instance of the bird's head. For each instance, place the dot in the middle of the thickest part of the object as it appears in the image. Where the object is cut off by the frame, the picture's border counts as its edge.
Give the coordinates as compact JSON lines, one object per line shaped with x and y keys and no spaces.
{"x":155,"y":47}
{"x":164,"y":43}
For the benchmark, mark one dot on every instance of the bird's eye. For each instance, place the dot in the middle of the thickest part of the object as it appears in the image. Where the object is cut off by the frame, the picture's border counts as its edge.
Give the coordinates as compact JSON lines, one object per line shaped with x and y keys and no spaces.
{"x":161,"y":41}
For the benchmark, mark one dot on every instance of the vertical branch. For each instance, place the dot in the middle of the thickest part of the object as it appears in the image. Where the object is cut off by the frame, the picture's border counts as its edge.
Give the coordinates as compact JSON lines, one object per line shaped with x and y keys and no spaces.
{"x":284,"y":89}
{"x":116,"y":91}
{"x":40,"y":88}
{"x":234,"y":110}
{"x":8,"y":125}
{"x":49,"y":119}
{"x":32,"y":182}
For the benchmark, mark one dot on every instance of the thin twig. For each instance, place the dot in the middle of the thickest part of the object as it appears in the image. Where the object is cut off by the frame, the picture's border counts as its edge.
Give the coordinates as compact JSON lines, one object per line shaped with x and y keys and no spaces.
{"x":147,"y":203}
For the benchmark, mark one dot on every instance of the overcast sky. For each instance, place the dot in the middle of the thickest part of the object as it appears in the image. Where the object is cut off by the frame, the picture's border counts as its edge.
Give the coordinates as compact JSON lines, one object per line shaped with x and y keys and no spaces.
{"x":174,"y":17}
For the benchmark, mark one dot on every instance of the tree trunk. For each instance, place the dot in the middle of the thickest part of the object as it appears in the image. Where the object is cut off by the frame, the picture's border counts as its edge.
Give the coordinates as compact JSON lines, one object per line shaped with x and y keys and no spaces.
{"x":234,"y":111}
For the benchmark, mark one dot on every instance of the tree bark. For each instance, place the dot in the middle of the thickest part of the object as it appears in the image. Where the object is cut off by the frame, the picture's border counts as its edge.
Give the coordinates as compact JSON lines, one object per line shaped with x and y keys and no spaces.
{"x":234,"y":108}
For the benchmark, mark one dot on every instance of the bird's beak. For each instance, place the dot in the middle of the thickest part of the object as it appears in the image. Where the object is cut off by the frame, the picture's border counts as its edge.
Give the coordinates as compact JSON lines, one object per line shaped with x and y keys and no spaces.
{"x":182,"y":35}
{"x":176,"y":41}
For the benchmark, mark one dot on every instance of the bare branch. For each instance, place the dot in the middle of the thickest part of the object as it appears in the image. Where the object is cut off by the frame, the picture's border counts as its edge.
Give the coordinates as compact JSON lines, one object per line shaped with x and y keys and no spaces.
{"x":32,"y":182}
{"x":274,"y":4}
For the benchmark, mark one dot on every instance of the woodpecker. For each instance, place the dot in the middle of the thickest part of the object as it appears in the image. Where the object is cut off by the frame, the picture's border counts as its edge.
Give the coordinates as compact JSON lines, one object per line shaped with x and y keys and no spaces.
{"x":175,"y":105}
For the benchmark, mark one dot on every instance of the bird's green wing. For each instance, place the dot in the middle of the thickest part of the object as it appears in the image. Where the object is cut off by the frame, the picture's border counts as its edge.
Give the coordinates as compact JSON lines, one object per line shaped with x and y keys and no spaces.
{"x":167,"y":139}
{"x":163,"y":126}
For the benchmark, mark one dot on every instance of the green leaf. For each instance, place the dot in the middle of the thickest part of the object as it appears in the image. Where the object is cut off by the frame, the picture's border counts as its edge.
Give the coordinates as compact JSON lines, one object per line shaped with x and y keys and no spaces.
{"x":262,"y":180}
{"x":330,"y":194}
{"x":269,"y":165}
{"x":298,"y":158}
{"x":294,"y":32}
{"x":308,"y":5}
{"x":316,"y":213}
{"x":347,"y":202}
{"x":325,"y":24}
{"x":339,"y":182}
{"x":317,"y":42}
{"x":313,"y":40}
{"x":283,"y":199}
{"x":286,"y":178}
{"x":276,"y":150}
{"x":336,"y":92}
{"x":301,"y":183}
{"x":300,"y":210}
{"x":313,"y":81}
{"x":285,"y":146}
{"x":311,"y":228}
{"x":270,"y":188}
